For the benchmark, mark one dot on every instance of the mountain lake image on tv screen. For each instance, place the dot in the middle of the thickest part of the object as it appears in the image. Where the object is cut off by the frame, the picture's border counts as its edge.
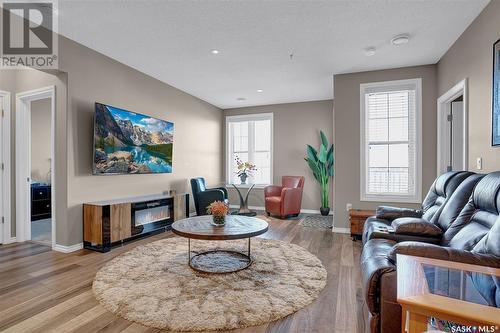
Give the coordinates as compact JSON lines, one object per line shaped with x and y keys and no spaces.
{"x":127,"y":142}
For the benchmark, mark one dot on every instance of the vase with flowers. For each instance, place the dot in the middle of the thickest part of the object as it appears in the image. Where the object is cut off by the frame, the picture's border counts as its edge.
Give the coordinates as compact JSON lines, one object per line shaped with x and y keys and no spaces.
{"x":218,"y":210}
{"x":245,"y":170}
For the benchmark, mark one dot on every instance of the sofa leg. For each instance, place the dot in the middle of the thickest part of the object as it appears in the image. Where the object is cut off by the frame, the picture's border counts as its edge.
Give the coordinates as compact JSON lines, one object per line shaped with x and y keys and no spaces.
{"x":268,"y":214}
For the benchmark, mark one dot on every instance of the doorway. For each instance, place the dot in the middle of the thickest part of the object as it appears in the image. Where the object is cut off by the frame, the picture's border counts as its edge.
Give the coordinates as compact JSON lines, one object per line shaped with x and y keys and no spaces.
{"x":452,"y":129}
{"x":5,"y":236}
{"x":456,"y":124}
{"x":35,"y":167}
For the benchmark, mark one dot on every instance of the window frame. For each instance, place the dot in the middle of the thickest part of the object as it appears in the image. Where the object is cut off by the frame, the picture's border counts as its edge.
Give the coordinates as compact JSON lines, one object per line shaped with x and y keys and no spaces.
{"x":242,"y":118}
{"x":386,"y":86}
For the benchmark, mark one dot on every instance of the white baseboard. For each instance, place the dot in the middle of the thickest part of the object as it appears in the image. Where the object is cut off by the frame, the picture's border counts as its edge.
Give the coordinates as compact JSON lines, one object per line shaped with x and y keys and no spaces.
{"x":313,"y":211}
{"x":67,"y":249}
{"x":338,"y":230}
{"x":10,"y":240}
{"x":304,"y":211}
{"x":249,"y":207}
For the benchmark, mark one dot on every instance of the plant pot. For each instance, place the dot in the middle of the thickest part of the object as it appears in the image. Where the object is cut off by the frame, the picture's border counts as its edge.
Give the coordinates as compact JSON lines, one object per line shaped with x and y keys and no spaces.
{"x":243,"y":179}
{"x":325,"y":211}
{"x":219,"y":221}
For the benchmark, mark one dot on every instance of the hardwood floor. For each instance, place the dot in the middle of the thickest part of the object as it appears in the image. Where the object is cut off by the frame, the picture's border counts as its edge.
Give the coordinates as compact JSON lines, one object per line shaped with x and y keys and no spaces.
{"x":46,"y":291}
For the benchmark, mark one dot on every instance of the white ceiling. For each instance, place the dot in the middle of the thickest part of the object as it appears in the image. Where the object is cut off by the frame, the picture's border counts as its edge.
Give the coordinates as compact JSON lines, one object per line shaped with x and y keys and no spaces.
{"x":172,"y":40}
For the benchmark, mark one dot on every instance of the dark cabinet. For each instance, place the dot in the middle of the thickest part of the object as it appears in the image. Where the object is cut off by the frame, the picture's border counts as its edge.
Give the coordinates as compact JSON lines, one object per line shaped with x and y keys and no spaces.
{"x":41,"y":205}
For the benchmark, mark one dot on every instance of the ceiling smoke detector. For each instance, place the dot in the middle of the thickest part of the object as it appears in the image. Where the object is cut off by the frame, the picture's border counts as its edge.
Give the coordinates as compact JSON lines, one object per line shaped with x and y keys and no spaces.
{"x":400,"y":39}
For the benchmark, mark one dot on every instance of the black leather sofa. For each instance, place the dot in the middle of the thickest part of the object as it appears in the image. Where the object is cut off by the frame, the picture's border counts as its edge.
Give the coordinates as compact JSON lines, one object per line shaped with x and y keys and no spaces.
{"x":464,"y":228}
{"x":204,"y":196}
{"x":440,"y":192}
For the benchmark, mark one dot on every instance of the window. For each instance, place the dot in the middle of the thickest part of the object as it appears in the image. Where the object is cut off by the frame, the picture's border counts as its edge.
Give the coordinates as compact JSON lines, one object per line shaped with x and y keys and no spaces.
{"x":250,"y":138}
{"x":391,"y":141}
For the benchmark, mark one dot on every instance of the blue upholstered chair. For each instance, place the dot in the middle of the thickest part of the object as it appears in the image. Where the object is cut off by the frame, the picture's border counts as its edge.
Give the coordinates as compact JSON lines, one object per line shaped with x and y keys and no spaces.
{"x":203,"y":197}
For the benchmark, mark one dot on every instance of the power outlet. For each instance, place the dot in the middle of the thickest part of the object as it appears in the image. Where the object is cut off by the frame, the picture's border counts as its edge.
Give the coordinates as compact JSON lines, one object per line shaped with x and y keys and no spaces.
{"x":348,"y":207}
{"x":479,"y":163}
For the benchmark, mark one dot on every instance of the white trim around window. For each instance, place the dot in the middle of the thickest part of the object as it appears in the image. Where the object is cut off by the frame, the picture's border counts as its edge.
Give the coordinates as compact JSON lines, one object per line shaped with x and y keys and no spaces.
{"x":229,"y":149}
{"x":414,"y":125}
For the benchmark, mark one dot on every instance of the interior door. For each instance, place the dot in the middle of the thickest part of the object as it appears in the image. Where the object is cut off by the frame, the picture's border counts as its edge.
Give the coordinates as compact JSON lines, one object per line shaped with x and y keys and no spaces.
{"x":1,"y":174}
{"x":457,"y":136}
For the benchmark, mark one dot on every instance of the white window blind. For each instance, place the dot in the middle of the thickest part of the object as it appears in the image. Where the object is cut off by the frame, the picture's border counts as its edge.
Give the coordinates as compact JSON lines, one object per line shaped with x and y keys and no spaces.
{"x":390,"y":141}
{"x":249,"y":138}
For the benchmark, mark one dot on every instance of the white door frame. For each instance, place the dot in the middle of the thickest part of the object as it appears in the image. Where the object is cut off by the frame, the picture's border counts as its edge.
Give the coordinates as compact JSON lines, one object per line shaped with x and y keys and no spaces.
{"x":5,"y":237}
{"x":23,"y":160}
{"x":443,"y":131}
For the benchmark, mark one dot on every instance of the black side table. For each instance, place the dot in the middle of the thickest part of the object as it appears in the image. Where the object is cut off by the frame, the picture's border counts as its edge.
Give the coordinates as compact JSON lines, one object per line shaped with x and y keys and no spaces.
{"x":244,"y":203}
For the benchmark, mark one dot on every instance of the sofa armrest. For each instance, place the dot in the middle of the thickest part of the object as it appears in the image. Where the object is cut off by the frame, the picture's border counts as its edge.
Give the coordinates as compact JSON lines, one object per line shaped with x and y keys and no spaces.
{"x":391,"y":213}
{"x":205,"y":198}
{"x":444,"y":253}
{"x":416,"y":226}
{"x":374,"y":264}
{"x":272,"y":191}
{"x":291,"y":199}
{"x":223,"y":189}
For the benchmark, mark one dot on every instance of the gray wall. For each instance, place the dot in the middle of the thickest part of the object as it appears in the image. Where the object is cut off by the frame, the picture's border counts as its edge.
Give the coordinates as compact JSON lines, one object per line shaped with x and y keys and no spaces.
{"x":295,"y":125}
{"x":90,"y":77}
{"x":471,"y":57}
{"x":41,"y":143}
{"x":347,"y":134}
{"x":94,"y":77}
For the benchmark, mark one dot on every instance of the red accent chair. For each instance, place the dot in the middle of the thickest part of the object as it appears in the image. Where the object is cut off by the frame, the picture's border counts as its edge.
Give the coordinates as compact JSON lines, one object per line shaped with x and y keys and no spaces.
{"x":286,"y":199}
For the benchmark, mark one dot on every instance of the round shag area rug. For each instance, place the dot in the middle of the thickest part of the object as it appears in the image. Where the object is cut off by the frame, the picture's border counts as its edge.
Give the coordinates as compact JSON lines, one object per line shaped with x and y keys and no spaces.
{"x":154,"y":286}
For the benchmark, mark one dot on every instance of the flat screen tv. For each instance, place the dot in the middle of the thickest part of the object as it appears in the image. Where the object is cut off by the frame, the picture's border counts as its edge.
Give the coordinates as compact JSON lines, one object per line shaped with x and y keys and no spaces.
{"x":131,"y":143}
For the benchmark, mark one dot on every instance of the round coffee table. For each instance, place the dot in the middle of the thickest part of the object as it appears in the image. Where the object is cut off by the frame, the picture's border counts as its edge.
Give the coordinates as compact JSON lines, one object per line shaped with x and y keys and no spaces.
{"x":217,"y":260}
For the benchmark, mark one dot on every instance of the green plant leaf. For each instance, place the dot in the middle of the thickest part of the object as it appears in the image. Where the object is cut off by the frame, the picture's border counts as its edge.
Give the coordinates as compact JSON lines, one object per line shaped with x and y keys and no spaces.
{"x":324,"y":140}
{"x":312,"y":153}
{"x":322,"y":154}
{"x":330,"y":170}
{"x":329,"y":156}
{"x":315,"y":169}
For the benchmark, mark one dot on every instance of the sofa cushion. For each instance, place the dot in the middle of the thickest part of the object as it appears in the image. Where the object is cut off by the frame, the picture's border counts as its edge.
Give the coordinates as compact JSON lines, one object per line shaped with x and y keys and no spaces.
{"x":477,"y":218}
{"x":375,"y":263}
{"x":416,"y":226}
{"x":490,"y":243}
{"x":442,"y":188}
{"x":456,"y":202}
{"x":273,"y":204}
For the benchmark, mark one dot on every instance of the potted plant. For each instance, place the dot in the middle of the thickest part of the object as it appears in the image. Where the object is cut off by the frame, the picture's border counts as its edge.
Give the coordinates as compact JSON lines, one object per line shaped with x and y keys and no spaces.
{"x":321,"y":164}
{"x":245,"y":170}
{"x":218,"y":210}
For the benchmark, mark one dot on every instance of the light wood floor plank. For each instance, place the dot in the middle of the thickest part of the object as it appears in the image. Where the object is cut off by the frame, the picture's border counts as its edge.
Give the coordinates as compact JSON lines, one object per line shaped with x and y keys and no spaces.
{"x":45,"y":291}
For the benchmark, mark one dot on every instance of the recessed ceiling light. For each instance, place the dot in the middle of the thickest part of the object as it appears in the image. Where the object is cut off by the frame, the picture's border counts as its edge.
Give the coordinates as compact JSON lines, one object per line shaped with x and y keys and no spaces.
{"x":241,"y":99}
{"x":215,"y":51}
{"x":259,"y":90}
{"x":400,"y":39}
{"x":370,"y":51}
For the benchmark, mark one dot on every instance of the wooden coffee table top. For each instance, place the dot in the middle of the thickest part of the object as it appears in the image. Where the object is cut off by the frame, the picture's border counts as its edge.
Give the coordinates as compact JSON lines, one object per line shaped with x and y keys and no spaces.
{"x":236,"y":227}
